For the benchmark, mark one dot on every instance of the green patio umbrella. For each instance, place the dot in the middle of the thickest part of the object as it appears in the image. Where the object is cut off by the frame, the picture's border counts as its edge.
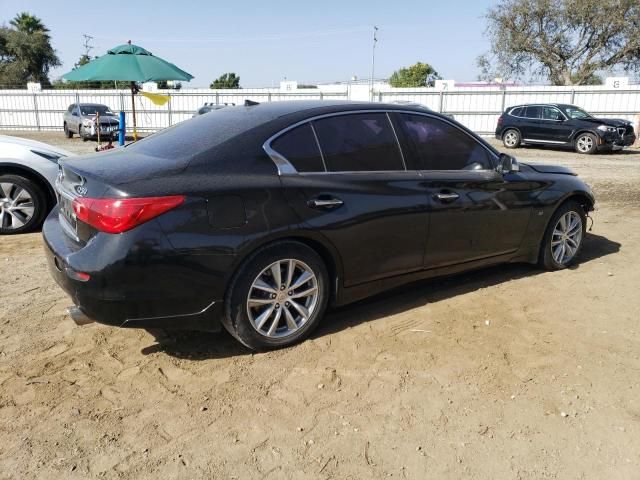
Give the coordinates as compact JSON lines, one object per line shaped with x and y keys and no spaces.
{"x":129,"y":63}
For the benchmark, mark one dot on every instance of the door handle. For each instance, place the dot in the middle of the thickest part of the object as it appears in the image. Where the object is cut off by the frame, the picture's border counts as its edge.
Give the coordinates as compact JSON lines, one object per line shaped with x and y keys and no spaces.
{"x":446,"y":197}
{"x":325,"y":203}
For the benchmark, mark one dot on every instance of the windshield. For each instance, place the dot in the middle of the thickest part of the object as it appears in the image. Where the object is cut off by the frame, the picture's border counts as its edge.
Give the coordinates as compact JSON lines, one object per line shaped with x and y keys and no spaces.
{"x":575,"y":112}
{"x":93,"y":109}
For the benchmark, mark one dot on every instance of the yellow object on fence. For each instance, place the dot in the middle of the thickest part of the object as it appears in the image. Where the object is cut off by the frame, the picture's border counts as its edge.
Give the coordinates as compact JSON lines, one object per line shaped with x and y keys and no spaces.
{"x":156,"y":98}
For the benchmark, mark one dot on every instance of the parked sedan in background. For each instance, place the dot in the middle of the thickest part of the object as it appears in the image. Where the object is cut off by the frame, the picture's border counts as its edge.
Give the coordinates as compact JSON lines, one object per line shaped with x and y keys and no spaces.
{"x":562,"y":125}
{"x":28,"y":171}
{"x":80,"y":118}
{"x":261,"y":216}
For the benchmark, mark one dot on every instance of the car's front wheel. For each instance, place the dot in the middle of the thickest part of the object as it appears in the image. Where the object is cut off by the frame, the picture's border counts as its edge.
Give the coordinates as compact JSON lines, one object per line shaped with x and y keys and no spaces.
{"x":22,"y":205}
{"x":511,"y":138}
{"x":586,"y":143}
{"x":564,"y":236}
{"x":277,"y":297}
{"x":68,"y":133}
{"x":83,"y":133}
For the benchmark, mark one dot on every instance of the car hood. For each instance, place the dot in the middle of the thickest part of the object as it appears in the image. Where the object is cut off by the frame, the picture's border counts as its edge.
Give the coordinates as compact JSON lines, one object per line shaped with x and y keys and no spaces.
{"x":555,"y":169}
{"x":33,"y":145}
{"x":613,"y":122}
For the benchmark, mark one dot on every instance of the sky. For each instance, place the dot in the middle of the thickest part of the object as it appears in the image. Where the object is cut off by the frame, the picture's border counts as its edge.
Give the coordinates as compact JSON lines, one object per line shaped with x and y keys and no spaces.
{"x":266,"y":41}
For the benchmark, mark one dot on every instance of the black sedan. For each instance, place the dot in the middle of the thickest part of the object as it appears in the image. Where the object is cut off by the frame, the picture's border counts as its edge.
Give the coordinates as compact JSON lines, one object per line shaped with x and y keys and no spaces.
{"x":259,"y":217}
{"x":562,"y":126}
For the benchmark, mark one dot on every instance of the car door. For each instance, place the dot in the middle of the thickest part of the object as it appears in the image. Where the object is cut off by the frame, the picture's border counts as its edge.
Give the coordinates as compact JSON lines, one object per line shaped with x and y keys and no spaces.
{"x":351,"y":186}
{"x":475,"y":211}
{"x":530,"y":127}
{"x":554,"y":126}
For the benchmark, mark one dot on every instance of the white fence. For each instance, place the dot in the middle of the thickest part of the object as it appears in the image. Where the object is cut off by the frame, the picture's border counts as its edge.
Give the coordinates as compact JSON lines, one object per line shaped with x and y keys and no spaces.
{"x":476,"y":107}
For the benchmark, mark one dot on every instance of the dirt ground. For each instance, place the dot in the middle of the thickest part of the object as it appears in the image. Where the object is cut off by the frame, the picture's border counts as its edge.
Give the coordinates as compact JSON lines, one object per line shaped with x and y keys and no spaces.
{"x":504,"y":373}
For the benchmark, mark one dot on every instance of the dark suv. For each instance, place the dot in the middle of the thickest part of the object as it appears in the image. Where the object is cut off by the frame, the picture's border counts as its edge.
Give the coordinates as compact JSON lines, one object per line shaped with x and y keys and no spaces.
{"x":259,"y":217}
{"x":562,"y":125}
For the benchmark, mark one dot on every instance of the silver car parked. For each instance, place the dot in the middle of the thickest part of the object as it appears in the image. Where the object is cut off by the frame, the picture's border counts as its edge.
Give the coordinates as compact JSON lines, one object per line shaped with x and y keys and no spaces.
{"x":80,"y":118}
{"x":28,"y":171}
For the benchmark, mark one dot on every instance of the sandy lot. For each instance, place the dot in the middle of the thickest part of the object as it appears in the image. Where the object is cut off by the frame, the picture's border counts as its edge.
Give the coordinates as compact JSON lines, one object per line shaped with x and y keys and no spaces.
{"x":505,"y":373}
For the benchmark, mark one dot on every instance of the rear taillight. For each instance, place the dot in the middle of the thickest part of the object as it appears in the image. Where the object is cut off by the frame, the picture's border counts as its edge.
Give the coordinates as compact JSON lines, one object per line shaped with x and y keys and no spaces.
{"x":500,"y":119}
{"x":117,"y":215}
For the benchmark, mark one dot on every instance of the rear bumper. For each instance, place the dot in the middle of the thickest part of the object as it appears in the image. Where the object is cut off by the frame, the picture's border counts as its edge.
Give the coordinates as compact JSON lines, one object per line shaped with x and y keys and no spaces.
{"x":124,"y":295}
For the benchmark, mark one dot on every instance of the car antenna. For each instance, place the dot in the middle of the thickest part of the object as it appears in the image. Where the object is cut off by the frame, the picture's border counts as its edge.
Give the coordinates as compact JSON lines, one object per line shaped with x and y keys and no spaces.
{"x":250,"y":103}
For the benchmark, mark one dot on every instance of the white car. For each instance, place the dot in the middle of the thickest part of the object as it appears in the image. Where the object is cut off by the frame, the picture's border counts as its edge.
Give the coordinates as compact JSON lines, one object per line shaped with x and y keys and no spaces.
{"x":28,"y":171}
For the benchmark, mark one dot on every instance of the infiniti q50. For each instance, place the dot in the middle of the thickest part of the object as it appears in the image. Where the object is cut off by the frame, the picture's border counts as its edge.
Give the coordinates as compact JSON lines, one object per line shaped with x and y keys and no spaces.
{"x":259,"y":217}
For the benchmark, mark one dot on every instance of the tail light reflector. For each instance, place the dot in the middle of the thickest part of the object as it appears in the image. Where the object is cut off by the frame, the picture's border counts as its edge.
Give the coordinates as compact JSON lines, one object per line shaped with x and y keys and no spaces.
{"x":500,"y":119}
{"x":117,"y":215}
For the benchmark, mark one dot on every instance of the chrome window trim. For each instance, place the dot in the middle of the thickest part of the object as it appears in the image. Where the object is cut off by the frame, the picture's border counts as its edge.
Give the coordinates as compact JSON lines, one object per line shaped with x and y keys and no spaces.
{"x":536,"y":105}
{"x":315,"y":135}
{"x":286,"y":168}
{"x":395,"y":135}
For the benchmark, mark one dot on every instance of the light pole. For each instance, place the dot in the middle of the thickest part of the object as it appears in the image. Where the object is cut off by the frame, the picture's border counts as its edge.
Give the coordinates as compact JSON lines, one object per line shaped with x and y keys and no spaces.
{"x":373,"y":61}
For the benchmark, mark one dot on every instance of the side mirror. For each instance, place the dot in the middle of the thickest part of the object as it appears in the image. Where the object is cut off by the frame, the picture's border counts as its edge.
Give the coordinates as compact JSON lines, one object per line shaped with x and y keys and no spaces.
{"x":74,"y":113}
{"x":508,"y":164}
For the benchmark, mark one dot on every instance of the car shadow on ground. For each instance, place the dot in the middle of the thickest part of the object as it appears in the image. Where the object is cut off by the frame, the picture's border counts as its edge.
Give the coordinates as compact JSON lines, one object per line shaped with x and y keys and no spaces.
{"x":626,"y":151}
{"x":205,"y":346}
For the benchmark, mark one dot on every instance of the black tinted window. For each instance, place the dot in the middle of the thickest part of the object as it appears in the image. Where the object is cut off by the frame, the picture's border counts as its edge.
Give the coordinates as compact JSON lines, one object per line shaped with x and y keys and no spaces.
{"x":299,"y":146}
{"x":517,"y":112}
{"x":436,"y":145}
{"x":532,"y":112}
{"x":358,"y":142}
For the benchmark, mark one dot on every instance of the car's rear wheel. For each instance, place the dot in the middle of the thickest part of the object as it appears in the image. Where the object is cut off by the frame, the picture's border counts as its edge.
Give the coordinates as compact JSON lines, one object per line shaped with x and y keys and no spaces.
{"x":511,"y":138}
{"x":564,"y":236}
{"x":277,"y":297}
{"x":22,"y":205}
{"x":586,"y":143}
{"x":68,"y":133}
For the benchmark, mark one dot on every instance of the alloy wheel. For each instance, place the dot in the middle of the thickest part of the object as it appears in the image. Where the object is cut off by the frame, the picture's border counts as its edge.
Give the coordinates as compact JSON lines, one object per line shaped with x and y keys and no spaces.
{"x":566,"y":237}
{"x":585,"y":143}
{"x":510,"y":139}
{"x":16,"y":206}
{"x":282,"y":298}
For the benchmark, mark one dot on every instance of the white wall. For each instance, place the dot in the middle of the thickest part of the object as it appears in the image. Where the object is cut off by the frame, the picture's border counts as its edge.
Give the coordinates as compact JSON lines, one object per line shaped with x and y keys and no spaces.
{"x":477,"y":107}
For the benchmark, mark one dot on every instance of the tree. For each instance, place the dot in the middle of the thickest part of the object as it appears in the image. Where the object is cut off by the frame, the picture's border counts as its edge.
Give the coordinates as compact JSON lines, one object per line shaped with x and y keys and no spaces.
{"x":27,"y":23}
{"x":26,"y":54}
{"x":417,"y":75}
{"x":228,"y":80}
{"x":566,"y":41}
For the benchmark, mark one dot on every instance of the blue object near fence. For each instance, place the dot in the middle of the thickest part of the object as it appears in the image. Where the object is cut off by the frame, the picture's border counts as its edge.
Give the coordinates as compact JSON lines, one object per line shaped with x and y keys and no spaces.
{"x":123,"y":130}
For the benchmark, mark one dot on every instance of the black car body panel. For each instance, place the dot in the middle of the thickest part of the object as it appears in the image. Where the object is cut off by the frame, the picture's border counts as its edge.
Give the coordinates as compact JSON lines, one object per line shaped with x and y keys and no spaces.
{"x":553,"y":124}
{"x":391,"y":227}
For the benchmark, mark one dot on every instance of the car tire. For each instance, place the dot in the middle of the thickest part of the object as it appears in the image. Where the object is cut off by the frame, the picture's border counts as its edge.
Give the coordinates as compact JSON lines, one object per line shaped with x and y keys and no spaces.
{"x":68,"y":133}
{"x":262,"y":317}
{"x":564,"y":235}
{"x":586,"y":143}
{"x":29,"y":205}
{"x":511,"y":138}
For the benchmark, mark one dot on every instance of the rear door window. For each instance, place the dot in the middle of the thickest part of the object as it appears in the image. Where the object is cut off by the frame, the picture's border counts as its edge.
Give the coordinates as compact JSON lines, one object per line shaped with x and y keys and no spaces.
{"x":300,"y":148}
{"x":362,"y":142}
{"x":433,"y":144}
{"x":532,"y":112}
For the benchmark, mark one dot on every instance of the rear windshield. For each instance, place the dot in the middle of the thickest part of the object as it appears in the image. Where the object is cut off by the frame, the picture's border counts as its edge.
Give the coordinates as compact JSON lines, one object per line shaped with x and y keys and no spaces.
{"x":202,"y":133}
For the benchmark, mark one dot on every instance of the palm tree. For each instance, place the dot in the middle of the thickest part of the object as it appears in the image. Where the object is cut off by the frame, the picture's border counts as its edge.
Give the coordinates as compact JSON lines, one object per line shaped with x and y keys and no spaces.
{"x":27,"y":23}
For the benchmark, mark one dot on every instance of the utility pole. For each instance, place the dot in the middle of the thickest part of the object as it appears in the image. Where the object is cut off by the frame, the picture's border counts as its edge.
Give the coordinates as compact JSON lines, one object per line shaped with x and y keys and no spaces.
{"x":87,"y":44}
{"x":373,"y":61}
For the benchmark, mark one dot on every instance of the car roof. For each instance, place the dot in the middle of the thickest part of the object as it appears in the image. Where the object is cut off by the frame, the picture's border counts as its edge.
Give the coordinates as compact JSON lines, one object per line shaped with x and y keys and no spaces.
{"x":535,"y":104}
{"x":92,"y":105}
{"x":29,"y":144}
